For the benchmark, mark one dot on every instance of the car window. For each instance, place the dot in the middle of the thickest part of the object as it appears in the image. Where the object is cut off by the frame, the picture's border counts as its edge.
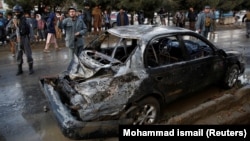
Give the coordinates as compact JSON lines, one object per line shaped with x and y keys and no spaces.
{"x":163,"y":51}
{"x":114,"y":47}
{"x":196,"y":48}
{"x":124,"y":48}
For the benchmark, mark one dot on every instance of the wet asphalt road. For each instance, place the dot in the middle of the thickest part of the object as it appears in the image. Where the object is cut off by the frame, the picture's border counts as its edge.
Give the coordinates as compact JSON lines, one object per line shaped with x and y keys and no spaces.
{"x":22,"y":101}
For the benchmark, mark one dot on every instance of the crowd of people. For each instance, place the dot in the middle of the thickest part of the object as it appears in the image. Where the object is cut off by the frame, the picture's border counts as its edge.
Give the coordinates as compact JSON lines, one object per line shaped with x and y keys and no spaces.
{"x":203,"y":22}
{"x":74,"y":24}
{"x":44,"y":26}
{"x":21,"y":28}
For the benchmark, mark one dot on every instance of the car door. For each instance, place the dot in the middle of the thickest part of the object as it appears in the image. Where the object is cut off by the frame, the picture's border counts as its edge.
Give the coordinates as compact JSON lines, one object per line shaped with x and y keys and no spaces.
{"x":168,"y":76}
{"x":205,"y":66}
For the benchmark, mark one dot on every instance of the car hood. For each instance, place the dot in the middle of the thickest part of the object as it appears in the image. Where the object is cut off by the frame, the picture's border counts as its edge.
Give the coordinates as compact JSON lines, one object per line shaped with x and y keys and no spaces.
{"x":238,"y":54}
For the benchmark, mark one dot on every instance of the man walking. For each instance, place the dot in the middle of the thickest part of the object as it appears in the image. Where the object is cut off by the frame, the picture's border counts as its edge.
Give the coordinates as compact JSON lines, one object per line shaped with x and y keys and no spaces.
{"x":204,"y":22}
{"x":22,"y":30}
{"x":74,"y":28}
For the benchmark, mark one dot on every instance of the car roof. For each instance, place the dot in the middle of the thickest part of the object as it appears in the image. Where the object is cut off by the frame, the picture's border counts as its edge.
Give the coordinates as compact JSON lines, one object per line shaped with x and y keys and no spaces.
{"x":144,"y":31}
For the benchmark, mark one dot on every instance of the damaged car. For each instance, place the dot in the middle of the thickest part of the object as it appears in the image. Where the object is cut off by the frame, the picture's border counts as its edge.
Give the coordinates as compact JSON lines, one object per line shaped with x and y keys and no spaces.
{"x":127,"y":74}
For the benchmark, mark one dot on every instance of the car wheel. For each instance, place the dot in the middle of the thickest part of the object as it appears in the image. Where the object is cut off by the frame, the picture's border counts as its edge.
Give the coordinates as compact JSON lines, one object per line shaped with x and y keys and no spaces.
{"x":231,"y":76}
{"x":147,"y":112}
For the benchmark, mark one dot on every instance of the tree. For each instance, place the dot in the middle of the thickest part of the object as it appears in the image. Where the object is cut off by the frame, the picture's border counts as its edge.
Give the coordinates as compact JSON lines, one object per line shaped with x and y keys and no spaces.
{"x":244,"y":5}
{"x":29,"y":5}
{"x":148,"y":6}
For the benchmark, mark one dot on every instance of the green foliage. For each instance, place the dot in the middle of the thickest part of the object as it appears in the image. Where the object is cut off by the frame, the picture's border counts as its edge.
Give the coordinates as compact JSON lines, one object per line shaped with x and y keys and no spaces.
{"x":245,"y":5}
{"x":227,"y":5}
{"x":26,"y":4}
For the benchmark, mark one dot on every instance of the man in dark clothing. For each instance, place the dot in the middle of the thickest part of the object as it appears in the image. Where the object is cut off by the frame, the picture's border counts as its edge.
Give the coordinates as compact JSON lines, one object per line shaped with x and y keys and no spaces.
{"x":45,"y":16}
{"x":87,"y":17}
{"x":192,"y":16}
{"x":3,"y":22}
{"x":22,"y":30}
{"x":162,"y":13}
{"x":46,"y":12}
{"x":122,"y":18}
{"x":141,"y":17}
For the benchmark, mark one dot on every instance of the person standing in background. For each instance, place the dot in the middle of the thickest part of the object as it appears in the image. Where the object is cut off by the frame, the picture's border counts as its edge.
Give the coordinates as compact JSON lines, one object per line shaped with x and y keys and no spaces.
{"x":122,"y":18}
{"x":246,"y":18}
{"x":40,"y":28}
{"x":21,"y":28}
{"x":192,"y":16}
{"x":74,"y":28}
{"x":9,"y":32}
{"x":180,"y":18}
{"x":162,"y":13}
{"x":33,"y":26}
{"x":80,"y":14}
{"x":106,"y":19}
{"x":3,"y":22}
{"x":87,"y":18}
{"x":97,"y":17}
{"x":141,"y":18}
{"x":213,"y":20}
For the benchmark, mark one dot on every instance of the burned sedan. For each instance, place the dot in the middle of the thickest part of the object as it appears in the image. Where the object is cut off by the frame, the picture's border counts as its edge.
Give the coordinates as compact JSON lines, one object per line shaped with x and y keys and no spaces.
{"x":127,"y":74}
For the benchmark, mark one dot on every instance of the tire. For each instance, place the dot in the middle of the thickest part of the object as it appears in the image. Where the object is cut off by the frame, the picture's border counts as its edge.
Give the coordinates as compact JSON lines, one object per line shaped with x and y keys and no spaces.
{"x":147,"y":112}
{"x":231,"y":77}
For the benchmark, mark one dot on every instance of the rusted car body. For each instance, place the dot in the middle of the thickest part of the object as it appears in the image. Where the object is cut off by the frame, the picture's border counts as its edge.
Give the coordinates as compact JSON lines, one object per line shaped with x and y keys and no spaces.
{"x":127,"y":74}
